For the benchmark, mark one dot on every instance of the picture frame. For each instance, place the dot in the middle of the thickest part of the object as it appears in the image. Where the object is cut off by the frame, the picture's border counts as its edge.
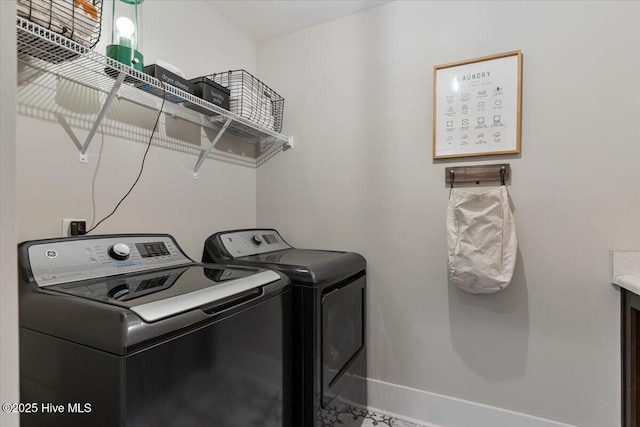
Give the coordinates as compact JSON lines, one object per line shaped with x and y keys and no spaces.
{"x":477,"y":106}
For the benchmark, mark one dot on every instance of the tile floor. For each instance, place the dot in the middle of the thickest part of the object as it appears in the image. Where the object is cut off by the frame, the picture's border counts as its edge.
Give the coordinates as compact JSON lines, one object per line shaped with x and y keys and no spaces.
{"x":351,"y":416}
{"x":373,"y":419}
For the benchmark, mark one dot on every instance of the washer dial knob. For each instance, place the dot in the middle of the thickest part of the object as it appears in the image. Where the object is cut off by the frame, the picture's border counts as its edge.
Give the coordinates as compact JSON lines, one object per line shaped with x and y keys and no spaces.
{"x":257,"y":239}
{"x":119,"y":251}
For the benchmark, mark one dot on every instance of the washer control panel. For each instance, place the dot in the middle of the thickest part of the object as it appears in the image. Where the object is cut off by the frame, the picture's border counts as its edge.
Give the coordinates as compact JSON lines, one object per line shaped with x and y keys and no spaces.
{"x":252,"y":242}
{"x":89,"y":258}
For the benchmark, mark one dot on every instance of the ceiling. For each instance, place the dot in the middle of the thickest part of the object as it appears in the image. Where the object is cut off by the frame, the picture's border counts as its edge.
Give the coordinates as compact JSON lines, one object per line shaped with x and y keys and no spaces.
{"x":264,"y":19}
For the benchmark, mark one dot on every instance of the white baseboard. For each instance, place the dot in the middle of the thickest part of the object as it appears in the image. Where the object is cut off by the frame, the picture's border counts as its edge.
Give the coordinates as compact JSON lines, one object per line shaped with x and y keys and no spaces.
{"x":436,"y":410}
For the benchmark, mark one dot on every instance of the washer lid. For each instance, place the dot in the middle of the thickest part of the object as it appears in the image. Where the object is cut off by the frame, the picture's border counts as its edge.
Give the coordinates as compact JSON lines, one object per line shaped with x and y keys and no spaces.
{"x":309,"y":266}
{"x":165,"y":293}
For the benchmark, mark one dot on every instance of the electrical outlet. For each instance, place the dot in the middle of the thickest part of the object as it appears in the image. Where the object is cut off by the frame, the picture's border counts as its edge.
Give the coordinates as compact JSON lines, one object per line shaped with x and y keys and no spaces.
{"x":66,"y":226}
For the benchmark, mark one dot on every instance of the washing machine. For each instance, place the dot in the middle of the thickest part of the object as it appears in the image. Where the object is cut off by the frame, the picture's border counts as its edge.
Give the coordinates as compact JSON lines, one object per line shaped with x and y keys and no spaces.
{"x":329,"y":309}
{"x":127,"y":331}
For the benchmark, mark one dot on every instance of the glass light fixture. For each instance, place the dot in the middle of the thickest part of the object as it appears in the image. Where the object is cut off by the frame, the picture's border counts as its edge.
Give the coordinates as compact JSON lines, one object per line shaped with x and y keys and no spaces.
{"x":126,"y":42}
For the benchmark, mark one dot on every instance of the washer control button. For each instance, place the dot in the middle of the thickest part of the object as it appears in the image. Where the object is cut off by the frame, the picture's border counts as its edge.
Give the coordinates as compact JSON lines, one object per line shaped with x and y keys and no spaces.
{"x":257,"y":239}
{"x":119,"y":251}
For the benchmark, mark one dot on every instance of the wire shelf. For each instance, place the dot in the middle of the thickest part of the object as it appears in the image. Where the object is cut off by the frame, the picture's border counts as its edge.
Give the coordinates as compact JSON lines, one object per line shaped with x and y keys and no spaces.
{"x":79,"y":21}
{"x":43,"y":57}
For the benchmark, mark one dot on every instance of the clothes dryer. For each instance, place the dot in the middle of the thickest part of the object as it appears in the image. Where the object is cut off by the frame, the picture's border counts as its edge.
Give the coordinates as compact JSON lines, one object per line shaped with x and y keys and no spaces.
{"x":329,"y":320}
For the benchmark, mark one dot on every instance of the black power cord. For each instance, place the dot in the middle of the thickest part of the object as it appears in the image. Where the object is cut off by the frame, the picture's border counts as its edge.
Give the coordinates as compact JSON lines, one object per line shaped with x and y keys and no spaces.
{"x":153,"y":132}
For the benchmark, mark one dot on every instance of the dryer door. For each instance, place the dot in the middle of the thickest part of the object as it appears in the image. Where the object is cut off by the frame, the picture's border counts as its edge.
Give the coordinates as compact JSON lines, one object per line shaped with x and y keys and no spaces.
{"x":342,"y":339}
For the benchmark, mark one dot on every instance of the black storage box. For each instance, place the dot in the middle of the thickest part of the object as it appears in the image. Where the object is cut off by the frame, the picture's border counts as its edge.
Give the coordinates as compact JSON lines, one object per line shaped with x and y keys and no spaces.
{"x":166,"y":77}
{"x":211,"y":92}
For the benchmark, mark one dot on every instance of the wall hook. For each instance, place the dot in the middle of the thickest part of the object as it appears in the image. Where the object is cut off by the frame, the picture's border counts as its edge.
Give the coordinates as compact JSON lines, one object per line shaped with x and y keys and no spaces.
{"x":452,"y":178}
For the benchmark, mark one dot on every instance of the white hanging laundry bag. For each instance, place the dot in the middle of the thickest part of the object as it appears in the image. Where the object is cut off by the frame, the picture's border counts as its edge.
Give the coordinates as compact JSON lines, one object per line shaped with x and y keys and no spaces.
{"x":481,"y":240}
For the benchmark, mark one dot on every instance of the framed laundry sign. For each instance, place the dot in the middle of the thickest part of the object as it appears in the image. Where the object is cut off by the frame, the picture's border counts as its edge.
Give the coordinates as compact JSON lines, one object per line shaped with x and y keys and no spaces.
{"x":477,"y":106}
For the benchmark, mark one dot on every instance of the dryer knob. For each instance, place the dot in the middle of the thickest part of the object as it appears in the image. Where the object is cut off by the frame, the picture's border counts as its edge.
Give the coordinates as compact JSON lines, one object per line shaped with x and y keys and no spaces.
{"x":257,"y":239}
{"x":119,"y":251}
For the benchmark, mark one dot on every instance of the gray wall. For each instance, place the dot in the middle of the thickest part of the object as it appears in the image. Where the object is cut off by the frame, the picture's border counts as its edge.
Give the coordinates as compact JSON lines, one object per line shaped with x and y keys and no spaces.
{"x":359,"y":102}
{"x":52,"y":184}
{"x":8,"y":273}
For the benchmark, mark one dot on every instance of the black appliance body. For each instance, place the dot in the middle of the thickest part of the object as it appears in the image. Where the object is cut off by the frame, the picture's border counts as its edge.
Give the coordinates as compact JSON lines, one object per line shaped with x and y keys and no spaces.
{"x":329,"y":320}
{"x":127,"y":331}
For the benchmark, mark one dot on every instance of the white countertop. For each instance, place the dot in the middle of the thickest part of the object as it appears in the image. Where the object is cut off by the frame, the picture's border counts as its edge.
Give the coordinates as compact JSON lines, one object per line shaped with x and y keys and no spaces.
{"x":626,"y":270}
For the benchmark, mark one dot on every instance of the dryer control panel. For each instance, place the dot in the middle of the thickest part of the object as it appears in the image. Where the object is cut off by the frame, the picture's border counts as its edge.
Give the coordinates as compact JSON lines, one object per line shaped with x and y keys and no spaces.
{"x":252,"y":242}
{"x":69,"y":260}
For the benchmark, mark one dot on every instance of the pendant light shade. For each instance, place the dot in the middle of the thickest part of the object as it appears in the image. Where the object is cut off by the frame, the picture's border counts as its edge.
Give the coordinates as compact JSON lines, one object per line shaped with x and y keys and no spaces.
{"x":126,"y":41}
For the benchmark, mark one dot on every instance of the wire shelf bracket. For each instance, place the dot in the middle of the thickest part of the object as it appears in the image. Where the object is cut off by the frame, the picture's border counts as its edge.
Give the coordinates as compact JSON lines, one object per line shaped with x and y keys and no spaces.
{"x":289,"y":143}
{"x":100,"y":116}
{"x":204,"y":154}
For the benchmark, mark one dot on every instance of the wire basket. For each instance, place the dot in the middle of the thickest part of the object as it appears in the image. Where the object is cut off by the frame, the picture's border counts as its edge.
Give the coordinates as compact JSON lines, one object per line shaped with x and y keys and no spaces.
{"x":77,"y":20}
{"x":252,"y":99}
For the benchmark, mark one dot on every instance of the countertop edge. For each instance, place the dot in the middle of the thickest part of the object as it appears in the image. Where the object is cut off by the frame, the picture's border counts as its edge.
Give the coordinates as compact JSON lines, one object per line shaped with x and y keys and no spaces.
{"x":626,"y":270}
{"x":628,"y":282}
